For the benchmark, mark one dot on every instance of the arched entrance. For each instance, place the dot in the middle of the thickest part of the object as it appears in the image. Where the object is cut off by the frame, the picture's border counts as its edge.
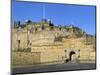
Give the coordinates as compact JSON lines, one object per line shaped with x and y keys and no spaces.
{"x":72,"y":56}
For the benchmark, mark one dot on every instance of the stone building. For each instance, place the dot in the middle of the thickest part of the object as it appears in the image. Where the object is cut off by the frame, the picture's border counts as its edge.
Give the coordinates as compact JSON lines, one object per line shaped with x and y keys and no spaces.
{"x":43,"y":43}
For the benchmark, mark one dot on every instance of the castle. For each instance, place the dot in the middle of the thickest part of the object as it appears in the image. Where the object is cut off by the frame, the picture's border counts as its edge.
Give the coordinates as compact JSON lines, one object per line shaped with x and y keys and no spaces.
{"x":43,"y":43}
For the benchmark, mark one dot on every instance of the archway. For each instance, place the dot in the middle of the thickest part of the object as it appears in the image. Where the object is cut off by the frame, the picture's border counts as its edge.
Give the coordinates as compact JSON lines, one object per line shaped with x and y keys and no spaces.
{"x":72,"y":55}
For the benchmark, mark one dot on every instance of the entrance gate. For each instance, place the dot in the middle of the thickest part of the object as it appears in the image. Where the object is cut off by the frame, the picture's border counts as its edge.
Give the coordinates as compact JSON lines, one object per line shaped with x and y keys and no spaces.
{"x":72,"y":56}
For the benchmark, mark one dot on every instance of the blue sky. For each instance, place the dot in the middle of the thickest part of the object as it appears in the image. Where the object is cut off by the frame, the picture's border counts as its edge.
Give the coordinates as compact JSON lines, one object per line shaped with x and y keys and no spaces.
{"x":63,"y":14}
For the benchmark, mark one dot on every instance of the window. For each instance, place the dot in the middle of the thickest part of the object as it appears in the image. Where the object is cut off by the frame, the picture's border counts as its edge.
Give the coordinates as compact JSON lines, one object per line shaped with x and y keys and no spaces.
{"x":42,"y":27}
{"x":18,"y":41}
{"x":18,"y":44}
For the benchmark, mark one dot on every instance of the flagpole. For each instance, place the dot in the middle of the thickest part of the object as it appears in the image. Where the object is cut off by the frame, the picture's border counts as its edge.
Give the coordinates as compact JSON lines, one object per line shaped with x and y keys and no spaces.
{"x":43,"y":11}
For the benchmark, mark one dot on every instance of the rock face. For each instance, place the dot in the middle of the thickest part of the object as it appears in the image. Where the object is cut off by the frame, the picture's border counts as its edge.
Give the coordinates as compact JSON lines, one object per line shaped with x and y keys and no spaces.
{"x":42,"y":42}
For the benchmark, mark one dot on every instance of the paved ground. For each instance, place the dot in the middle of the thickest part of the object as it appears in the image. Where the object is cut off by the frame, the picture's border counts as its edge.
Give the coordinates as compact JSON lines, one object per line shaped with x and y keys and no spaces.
{"x":53,"y":68}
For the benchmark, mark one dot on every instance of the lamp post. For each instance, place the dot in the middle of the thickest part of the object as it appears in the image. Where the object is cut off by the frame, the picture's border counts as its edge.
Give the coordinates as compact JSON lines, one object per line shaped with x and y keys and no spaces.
{"x":79,"y":53}
{"x":65,"y":53}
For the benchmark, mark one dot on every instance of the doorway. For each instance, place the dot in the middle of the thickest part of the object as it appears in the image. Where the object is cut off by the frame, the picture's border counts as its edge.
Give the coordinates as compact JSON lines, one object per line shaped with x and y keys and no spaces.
{"x":72,"y":56}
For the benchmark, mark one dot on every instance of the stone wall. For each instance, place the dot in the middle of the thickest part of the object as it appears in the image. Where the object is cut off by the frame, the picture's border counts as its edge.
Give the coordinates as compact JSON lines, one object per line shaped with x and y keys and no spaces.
{"x":50,"y":52}
{"x":44,"y":48}
{"x":25,"y":58}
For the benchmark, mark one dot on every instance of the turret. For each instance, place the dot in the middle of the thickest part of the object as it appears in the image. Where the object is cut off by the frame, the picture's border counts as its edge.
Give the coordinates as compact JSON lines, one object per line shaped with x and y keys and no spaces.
{"x":16,"y":24}
{"x":28,"y":21}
